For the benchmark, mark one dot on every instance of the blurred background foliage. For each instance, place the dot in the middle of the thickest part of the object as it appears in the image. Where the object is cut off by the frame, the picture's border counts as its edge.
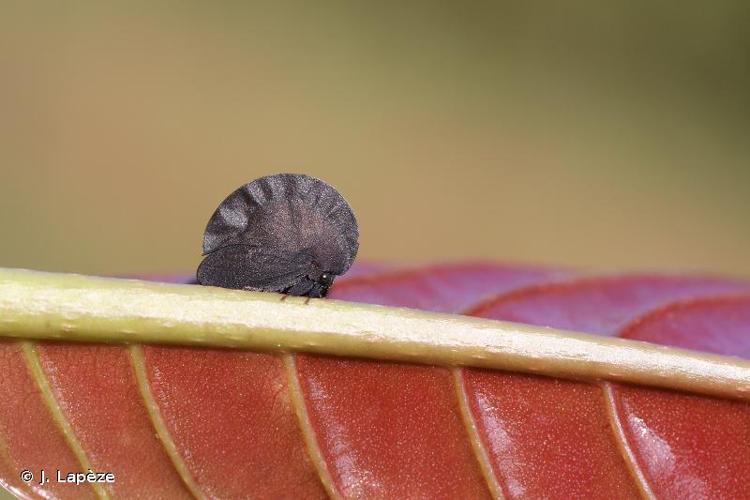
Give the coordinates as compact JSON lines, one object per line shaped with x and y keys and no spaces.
{"x":587,"y":133}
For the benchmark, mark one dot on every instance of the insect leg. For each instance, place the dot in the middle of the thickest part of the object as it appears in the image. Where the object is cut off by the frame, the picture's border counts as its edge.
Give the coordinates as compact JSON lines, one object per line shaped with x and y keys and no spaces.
{"x":301,"y":288}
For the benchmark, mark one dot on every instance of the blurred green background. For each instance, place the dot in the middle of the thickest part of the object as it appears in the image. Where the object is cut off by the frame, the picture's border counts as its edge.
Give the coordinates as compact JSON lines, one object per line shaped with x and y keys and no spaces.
{"x":594,"y":134}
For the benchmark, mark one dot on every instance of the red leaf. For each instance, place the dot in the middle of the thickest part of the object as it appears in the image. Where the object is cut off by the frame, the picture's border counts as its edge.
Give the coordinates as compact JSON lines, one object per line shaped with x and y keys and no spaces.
{"x":719,"y":325}
{"x":685,"y":446}
{"x":444,"y":288}
{"x":563,"y":427}
{"x":387,"y":429}
{"x":30,"y":439}
{"x":230,"y":415}
{"x":232,"y":423}
{"x":95,"y":387}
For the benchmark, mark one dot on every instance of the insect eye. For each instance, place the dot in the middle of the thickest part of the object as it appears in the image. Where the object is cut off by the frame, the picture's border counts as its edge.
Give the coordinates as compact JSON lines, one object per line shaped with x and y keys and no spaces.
{"x":326,"y":278}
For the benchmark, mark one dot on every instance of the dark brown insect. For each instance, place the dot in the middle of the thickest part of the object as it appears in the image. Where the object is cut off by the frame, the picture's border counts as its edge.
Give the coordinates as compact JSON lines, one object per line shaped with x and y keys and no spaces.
{"x":288,"y":233}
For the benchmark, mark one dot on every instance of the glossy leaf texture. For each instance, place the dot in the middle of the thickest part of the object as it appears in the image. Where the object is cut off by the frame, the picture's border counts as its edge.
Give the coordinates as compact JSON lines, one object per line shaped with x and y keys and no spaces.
{"x":175,"y":422}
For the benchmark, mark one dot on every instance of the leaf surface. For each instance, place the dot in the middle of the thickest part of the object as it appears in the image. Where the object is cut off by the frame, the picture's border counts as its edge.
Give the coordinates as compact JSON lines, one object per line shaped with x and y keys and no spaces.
{"x":568,"y":429}
{"x":388,"y":429}
{"x":684,"y":445}
{"x":30,"y":438}
{"x":181,"y":422}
